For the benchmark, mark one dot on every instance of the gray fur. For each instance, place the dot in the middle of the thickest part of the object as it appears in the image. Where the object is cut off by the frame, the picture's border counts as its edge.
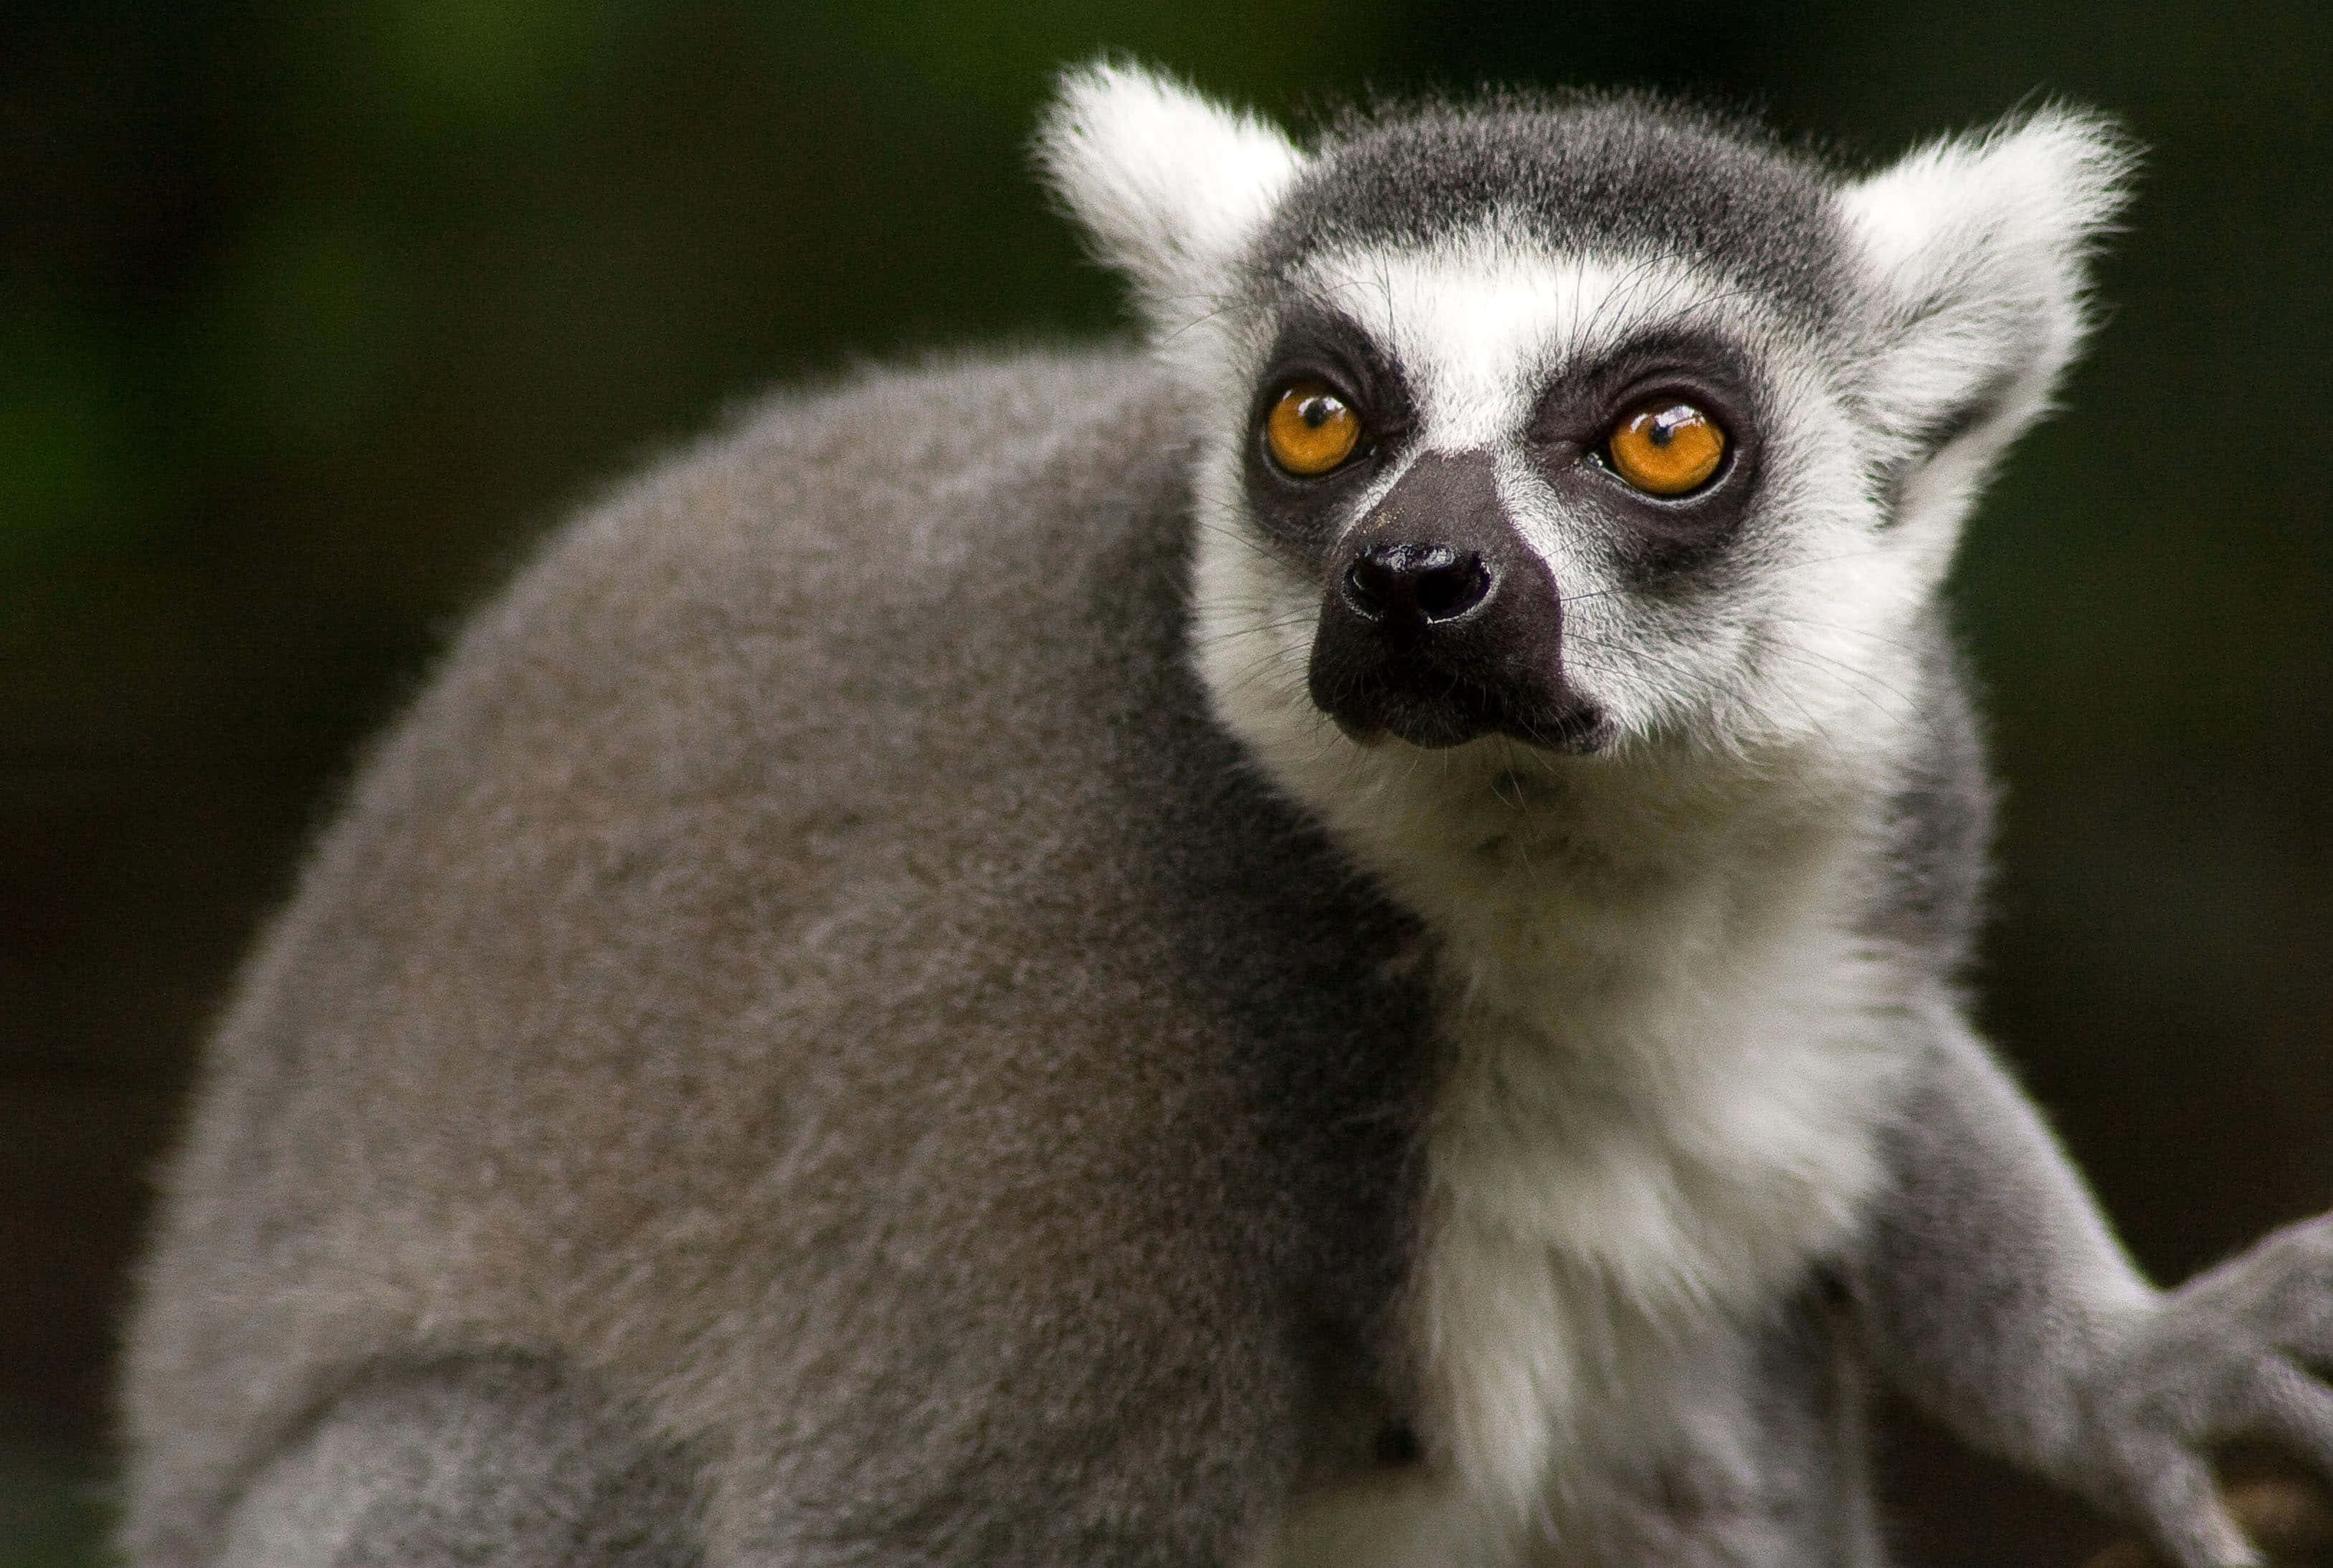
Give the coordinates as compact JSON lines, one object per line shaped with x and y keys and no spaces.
{"x":1583,"y":171}
{"x":1931,"y":902}
{"x":1771,"y":1478}
{"x":489,"y":1460}
{"x":974,"y":1193}
{"x":834,"y":1033}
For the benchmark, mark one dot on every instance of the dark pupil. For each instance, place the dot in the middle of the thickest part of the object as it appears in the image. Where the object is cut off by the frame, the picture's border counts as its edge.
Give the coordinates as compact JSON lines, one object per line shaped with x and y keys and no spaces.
{"x":1664,"y":426}
{"x":1317,"y":411}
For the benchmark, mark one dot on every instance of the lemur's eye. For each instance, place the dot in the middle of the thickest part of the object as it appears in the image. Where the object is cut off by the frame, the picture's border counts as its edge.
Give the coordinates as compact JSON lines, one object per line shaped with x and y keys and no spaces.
{"x":1310,"y":429}
{"x":1665,"y":447}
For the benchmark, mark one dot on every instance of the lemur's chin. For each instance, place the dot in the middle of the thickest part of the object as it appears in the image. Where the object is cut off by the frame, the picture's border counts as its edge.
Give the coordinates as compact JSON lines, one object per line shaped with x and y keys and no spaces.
{"x":1580,"y":730}
{"x":1451,"y":712}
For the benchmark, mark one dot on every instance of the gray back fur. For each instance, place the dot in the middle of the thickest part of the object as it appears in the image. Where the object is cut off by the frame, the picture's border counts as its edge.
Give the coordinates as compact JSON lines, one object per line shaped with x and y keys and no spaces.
{"x":783,"y":968}
{"x":490,"y":1459}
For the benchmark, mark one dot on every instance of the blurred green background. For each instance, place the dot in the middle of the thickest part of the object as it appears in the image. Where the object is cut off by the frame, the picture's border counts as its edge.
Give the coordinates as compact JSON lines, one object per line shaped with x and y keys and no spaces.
{"x":311,"y":316}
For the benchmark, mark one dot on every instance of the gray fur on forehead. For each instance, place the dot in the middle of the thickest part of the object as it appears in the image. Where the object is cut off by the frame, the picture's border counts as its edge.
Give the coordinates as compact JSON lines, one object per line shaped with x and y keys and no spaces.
{"x":1622,"y":174}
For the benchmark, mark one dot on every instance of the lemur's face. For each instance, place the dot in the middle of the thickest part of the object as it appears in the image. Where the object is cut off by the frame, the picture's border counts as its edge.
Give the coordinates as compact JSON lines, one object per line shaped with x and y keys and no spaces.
{"x":1487,"y":488}
{"x":1591,"y":427}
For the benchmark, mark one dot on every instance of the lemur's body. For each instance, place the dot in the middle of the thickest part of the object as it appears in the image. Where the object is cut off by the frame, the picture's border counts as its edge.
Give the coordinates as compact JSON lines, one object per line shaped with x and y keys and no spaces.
{"x":936,"y":986}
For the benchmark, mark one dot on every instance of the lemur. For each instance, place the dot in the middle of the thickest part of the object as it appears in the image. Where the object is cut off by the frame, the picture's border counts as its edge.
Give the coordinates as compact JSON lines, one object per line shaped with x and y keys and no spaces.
{"x":1335,"y":939}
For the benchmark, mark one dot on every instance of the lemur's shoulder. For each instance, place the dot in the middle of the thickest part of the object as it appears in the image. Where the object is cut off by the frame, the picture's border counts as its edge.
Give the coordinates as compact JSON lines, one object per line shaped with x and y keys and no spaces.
{"x":852,"y":566}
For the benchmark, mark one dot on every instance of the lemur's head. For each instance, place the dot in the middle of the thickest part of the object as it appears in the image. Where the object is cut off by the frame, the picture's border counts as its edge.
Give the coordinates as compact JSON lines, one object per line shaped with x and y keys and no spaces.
{"x":1592,"y":424}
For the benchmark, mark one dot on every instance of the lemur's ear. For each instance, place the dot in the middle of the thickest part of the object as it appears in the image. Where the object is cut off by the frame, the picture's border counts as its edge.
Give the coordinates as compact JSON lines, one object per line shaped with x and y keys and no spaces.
{"x":1978,"y":248}
{"x":1169,"y":188}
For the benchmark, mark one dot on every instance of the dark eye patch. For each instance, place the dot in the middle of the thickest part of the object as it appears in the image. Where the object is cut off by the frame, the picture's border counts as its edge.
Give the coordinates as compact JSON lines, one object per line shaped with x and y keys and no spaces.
{"x":1653,"y":536}
{"x":1318,"y":345}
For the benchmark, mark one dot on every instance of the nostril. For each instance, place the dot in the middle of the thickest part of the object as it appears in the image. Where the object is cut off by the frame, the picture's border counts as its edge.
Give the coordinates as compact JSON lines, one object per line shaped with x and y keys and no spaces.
{"x":1446,"y":593}
{"x":1418,"y":583}
{"x":1372,"y":586}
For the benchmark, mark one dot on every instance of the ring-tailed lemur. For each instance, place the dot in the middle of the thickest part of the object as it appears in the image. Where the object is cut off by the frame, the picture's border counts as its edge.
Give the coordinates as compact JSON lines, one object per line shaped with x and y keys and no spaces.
{"x":1336,"y":943}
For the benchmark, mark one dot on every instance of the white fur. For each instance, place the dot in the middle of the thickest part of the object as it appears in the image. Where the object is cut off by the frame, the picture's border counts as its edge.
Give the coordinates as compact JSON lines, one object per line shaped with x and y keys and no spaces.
{"x":1670,"y":1056}
{"x":1169,"y":188}
{"x":1975,"y":246}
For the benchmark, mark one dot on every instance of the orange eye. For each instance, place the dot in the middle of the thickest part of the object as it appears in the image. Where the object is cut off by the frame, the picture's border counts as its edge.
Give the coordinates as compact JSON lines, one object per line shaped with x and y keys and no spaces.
{"x":1667,"y":449}
{"x":1310,"y":429}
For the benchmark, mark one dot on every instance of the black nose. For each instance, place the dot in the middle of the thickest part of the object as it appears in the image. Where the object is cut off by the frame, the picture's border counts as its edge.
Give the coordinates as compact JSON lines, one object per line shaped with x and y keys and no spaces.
{"x":1416,"y":585}
{"x":1439,"y":622}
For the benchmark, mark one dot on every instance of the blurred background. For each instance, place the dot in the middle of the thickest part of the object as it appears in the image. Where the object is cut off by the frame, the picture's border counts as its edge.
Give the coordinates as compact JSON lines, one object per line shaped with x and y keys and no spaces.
{"x":312,"y":316}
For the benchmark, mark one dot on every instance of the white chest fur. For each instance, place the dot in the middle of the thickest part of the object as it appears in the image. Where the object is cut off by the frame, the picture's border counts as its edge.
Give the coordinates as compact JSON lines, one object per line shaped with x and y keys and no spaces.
{"x":1666,"y":1077}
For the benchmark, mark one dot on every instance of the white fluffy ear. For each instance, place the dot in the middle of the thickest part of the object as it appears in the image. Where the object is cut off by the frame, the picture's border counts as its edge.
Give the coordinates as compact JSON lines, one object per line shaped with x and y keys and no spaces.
{"x":1169,"y":188}
{"x":1978,"y":247}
